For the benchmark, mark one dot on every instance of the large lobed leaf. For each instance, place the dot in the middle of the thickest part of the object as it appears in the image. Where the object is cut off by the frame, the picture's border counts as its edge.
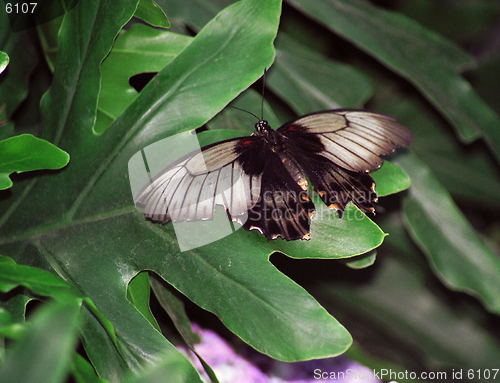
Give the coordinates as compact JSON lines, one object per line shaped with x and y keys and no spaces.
{"x":139,"y":49}
{"x":455,"y":251}
{"x":82,"y":221}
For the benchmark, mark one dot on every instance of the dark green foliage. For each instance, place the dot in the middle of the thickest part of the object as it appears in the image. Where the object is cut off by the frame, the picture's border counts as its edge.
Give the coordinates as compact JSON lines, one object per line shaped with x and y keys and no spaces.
{"x":70,"y":236}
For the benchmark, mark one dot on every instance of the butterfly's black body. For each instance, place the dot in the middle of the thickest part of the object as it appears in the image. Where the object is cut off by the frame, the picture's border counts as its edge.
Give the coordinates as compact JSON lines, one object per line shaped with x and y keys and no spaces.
{"x":263,"y":178}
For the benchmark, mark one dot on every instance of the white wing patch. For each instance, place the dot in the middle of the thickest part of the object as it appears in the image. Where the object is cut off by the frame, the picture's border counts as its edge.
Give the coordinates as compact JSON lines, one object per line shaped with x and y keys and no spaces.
{"x":355,"y":140}
{"x":190,"y":188}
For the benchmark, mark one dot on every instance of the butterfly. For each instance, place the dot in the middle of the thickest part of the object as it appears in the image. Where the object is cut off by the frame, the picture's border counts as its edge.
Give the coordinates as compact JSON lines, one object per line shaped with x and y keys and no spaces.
{"x":262,"y":180}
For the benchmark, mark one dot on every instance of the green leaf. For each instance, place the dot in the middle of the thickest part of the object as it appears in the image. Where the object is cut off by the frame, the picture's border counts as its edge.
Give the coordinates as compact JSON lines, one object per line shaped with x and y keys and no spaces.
{"x":44,"y":353}
{"x":48,"y":36}
{"x":38,"y":281}
{"x":175,"y":309}
{"x":334,"y":237}
{"x":196,"y":14}
{"x":7,"y":260}
{"x":5,"y":181}
{"x":362,"y":261}
{"x":25,"y":153}
{"x":376,"y":363}
{"x":136,"y":50}
{"x":93,"y":222}
{"x":475,"y":17}
{"x":8,"y":328}
{"x":390,"y":179}
{"x":165,"y":370}
{"x":455,"y":251}
{"x":309,"y":82}
{"x":4,"y":61}
{"x":104,"y":351}
{"x":85,"y":38}
{"x":16,"y":307}
{"x":83,"y":372}
{"x":151,"y":13}
{"x":138,"y":293}
{"x":213,"y":276}
{"x":117,"y":337}
{"x":423,"y":57}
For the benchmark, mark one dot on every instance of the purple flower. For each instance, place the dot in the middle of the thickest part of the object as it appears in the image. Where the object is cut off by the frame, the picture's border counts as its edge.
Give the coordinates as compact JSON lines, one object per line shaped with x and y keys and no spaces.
{"x":253,"y":367}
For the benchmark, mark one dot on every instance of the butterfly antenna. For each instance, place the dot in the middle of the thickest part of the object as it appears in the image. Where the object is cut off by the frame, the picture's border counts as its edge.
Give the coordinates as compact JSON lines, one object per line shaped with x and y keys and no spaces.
{"x":246,"y":111}
{"x":263,"y":88}
{"x":261,"y":104}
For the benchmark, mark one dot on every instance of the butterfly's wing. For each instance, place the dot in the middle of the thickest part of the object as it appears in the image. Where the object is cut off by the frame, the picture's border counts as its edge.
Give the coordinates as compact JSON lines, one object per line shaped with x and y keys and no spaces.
{"x":337,"y":186}
{"x":189,"y":188}
{"x":353,"y":139}
{"x":337,"y":149}
{"x":283,"y":209}
{"x":245,"y":176}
